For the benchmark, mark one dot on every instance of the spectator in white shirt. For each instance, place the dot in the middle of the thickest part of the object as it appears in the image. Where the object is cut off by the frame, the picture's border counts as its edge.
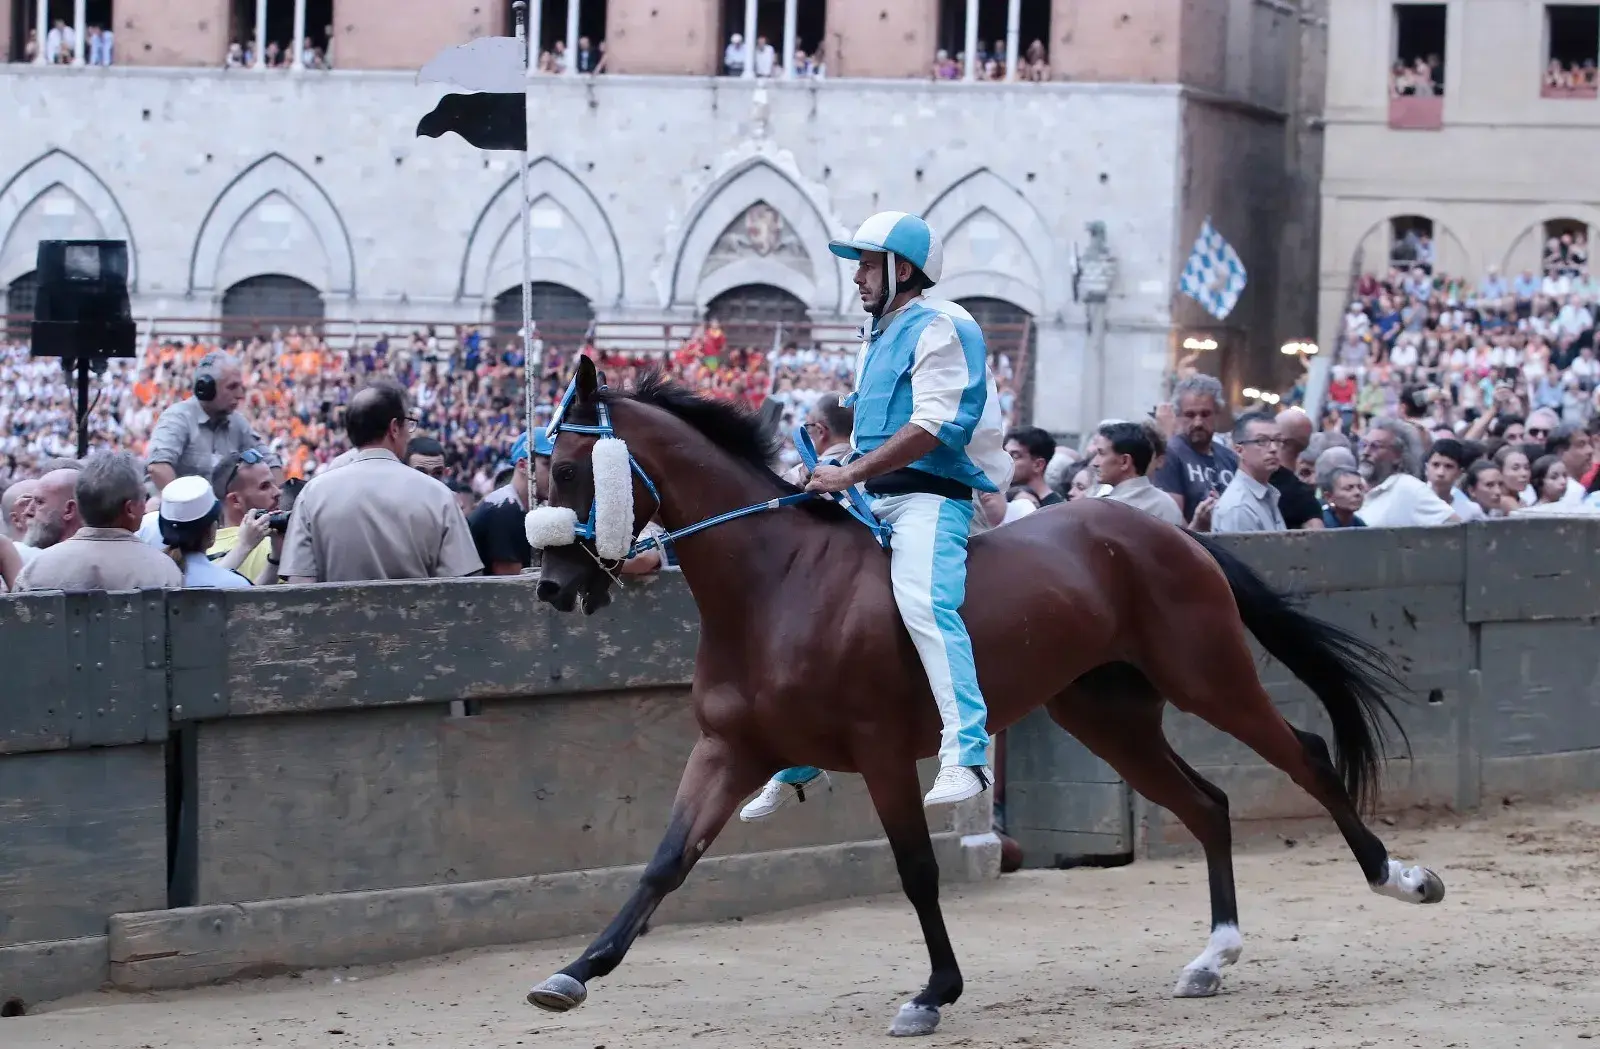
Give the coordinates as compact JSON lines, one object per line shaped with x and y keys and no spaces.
{"x":1123,"y":454}
{"x":1391,"y":459}
{"x":1575,"y":448}
{"x":1485,"y":486}
{"x":766,"y":57}
{"x":1447,"y":461}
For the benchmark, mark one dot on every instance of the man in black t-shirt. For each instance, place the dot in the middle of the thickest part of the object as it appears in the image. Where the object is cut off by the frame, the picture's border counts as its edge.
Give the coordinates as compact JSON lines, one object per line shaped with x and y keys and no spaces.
{"x":1031,"y":450}
{"x":1297,"y":501}
{"x":497,"y":524}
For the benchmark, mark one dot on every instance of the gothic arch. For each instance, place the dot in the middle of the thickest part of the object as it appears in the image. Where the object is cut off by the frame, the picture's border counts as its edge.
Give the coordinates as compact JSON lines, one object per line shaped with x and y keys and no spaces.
{"x":1372,"y":218}
{"x":57,"y":167}
{"x":1530,"y":223}
{"x":719,"y":207}
{"x":1020,"y":276}
{"x":497,"y":224}
{"x":273,"y":175}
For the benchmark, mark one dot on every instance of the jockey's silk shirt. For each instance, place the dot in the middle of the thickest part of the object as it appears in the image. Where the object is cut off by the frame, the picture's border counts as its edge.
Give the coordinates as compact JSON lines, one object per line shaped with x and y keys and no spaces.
{"x":928,"y":366}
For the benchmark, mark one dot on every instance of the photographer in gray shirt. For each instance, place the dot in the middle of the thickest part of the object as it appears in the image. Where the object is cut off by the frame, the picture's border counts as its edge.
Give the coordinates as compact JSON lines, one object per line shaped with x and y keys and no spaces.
{"x":196,"y":435}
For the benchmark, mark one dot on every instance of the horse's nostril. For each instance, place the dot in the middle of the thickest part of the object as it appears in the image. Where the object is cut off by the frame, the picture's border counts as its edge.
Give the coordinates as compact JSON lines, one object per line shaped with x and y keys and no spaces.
{"x":548,"y":590}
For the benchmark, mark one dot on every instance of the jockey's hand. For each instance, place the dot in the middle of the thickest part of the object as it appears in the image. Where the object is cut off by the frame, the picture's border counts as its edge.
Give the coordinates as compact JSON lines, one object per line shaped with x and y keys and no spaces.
{"x":829,"y":479}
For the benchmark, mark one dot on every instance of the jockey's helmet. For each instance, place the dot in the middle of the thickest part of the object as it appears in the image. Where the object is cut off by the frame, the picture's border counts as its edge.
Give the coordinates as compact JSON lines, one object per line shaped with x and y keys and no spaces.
{"x":896,"y":233}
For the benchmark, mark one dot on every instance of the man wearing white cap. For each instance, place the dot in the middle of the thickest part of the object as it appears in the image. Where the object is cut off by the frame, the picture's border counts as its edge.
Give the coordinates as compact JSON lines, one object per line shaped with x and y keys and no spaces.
{"x":189,"y":514}
{"x":928,"y":435}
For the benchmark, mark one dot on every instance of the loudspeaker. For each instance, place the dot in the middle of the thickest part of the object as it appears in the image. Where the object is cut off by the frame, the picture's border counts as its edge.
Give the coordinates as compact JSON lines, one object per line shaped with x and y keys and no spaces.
{"x":82,"y":310}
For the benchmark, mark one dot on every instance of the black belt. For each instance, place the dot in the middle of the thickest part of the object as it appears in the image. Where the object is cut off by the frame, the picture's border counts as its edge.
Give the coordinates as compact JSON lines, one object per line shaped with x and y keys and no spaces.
{"x":906,"y":481}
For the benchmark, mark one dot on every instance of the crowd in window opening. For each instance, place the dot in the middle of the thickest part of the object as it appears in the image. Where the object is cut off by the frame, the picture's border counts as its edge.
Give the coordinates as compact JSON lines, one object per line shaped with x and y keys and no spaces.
{"x":1032,"y":64}
{"x":768,"y":63}
{"x":61,"y":45}
{"x":590,"y":57}
{"x":1421,"y":76}
{"x":1570,"y":76}
{"x":242,"y":54}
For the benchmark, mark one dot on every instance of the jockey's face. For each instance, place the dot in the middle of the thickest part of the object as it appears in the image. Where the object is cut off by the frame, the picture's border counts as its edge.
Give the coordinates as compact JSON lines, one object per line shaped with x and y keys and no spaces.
{"x":871,"y":280}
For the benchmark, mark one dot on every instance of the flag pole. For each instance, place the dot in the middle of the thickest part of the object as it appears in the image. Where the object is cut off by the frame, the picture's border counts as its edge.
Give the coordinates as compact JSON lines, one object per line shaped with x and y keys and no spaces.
{"x":530,"y":370}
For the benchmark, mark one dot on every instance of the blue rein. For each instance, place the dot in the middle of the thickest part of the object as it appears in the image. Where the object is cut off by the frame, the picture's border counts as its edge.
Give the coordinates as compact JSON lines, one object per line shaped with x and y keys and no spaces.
{"x":853,"y":502}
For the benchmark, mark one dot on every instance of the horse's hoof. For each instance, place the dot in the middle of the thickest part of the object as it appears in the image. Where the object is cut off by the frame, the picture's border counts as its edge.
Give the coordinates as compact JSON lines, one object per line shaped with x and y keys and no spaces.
{"x":558,"y":994}
{"x":1432,"y":887}
{"x":1197,"y":983}
{"x":913,"y":1020}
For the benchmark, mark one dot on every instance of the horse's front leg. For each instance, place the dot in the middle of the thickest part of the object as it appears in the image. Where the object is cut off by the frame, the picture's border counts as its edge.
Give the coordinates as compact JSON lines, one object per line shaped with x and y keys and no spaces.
{"x":897,"y":796}
{"x":713,"y":783}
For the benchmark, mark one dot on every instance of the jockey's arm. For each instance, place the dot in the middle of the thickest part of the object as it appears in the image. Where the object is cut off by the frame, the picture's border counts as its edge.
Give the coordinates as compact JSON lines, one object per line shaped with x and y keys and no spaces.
{"x":909,"y":443}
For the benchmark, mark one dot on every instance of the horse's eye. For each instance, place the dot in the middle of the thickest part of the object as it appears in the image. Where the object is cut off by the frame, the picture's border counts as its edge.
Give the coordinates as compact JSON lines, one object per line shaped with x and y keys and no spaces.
{"x":566,"y":473}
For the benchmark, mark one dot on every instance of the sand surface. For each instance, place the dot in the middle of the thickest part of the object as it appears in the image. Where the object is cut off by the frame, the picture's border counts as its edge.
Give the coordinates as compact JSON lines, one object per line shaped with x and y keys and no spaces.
{"x":1052,"y":958}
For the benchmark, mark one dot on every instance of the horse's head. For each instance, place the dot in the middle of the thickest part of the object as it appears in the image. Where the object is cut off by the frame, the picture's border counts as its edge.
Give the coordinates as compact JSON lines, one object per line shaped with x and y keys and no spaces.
{"x":597,"y":502}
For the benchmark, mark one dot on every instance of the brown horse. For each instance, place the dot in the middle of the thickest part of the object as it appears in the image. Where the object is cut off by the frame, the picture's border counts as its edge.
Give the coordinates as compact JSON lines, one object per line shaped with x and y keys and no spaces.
{"x":1094,"y":610}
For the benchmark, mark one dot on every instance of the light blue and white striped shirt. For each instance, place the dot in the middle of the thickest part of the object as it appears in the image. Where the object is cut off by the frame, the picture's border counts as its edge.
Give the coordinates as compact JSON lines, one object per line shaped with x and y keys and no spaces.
{"x":929,"y":367}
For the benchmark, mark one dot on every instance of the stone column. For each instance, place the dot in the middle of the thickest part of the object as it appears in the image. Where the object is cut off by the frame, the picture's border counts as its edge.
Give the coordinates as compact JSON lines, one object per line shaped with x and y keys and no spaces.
{"x":749,"y":38}
{"x":574,"y":8}
{"x":971,"y":41}
{"x":79,"y":16}
{"x":789,"y":12}
{"x":535,"y":34}
{"x":299,"y":34}
{"x":1013,"y":28}
{"x":261,"y":34}
{"x":41,"y":29}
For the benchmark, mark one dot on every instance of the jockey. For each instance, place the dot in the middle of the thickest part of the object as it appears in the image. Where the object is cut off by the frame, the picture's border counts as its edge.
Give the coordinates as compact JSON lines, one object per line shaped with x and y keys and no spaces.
{"x":928,"y":434}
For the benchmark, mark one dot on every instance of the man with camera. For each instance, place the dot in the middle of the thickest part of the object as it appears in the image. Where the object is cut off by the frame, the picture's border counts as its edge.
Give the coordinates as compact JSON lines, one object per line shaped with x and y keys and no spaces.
{"x":250,"y":515}
{"x":197,"y":435}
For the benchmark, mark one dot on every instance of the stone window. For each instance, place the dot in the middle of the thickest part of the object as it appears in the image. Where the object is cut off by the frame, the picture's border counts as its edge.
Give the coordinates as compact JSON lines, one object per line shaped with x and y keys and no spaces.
{"x":1572,"y":49}
{"x":256,"y":305}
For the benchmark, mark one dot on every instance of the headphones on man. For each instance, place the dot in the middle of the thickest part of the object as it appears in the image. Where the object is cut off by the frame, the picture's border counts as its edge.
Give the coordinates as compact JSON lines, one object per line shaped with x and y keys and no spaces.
{"x":205,"y":383}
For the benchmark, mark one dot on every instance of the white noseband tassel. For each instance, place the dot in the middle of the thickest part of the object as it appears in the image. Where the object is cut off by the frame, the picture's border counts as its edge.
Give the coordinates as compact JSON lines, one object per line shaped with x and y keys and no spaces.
{"x":549,"y":526}
{"x":613,"y":499}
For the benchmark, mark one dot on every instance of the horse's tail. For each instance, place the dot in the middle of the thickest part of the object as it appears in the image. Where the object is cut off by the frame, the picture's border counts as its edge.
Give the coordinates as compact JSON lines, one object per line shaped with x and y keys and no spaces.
{"x":1350,"y":676}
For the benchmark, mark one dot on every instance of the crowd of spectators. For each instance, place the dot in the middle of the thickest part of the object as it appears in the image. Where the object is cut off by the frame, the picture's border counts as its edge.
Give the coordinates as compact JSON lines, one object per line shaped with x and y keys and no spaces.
{"x":768,"y":63}
{"x":61,"y":45}
{"x":242,"y":54}
{"x":1570,"y":77}
{"x":1033,"y":64}
{"x":1421,"y":76}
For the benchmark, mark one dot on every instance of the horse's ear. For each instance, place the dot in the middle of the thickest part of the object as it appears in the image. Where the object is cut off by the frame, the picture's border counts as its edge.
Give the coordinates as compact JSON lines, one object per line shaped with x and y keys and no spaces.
{"x":588,"y":380}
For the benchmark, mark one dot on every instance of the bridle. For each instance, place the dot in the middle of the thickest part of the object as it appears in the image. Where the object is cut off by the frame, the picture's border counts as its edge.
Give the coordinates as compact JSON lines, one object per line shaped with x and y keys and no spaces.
{"x":552,"y":526}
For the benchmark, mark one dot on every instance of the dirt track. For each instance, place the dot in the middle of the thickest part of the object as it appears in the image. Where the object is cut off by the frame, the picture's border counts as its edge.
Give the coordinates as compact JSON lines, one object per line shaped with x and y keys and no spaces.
{"x":1082,"y":958}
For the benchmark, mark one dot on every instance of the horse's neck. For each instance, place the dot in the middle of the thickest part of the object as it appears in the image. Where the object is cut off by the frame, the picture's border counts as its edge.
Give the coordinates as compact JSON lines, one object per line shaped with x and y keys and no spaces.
{"x":696,"y":481}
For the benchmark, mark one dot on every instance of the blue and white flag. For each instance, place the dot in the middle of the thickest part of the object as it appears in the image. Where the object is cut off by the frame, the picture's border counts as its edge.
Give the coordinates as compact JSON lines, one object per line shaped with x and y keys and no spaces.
{"x":1214,"y":276}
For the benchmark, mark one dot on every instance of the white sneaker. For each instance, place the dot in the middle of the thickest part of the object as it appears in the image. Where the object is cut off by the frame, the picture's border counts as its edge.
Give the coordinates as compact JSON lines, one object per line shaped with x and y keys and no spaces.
{"x":776,"y":794}
{"x":956,"y":783}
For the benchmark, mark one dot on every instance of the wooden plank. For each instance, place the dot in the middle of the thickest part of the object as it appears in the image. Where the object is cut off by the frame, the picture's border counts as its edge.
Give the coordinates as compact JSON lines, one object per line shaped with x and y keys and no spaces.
{"x":83,"y":834}
{"x":195,"y":945}
{"x":1355,"y":558}
{"x":301,"y":649}
{"x":32,"y":973}
{"x":82,"y":670}
{"x":1541,"y":683}
{"x":378,"y":799}
{"x":1532,"y":569}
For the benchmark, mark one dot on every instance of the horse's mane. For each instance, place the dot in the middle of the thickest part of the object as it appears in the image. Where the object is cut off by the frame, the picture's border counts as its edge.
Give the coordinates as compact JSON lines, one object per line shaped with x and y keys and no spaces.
{"x":731,"y":427}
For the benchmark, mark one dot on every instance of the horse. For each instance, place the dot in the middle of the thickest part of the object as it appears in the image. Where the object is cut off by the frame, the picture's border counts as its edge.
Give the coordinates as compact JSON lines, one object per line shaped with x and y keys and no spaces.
{"x":1094,"y":610}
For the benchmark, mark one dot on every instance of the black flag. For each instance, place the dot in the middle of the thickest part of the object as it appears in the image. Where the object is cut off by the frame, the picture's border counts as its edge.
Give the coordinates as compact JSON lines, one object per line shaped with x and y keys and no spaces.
{"x":488,"y":121}
{"x":495,"y":115}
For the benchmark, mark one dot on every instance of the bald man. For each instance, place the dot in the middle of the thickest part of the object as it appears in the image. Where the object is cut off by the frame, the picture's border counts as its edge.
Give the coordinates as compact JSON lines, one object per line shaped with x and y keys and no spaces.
{"x":14,"y":508}
{"x":53,"y":515}
{"x":1297,"y":501}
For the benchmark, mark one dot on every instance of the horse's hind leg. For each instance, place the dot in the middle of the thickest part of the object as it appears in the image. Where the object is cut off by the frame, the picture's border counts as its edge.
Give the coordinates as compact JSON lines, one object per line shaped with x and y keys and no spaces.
{"x":1246,"y":712}
{"x":1116,"y":713}
{"x":896,"y":794}
{"x":713,"y":782}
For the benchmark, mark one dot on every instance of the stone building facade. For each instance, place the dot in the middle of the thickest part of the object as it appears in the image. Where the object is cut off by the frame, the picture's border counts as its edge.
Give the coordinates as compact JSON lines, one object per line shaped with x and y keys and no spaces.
{"x":1489,"y":167}
{"x":653,"y":195}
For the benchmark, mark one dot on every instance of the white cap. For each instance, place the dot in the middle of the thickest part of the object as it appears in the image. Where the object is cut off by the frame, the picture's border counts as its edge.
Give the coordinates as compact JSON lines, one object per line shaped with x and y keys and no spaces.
{"x":187,"y":499}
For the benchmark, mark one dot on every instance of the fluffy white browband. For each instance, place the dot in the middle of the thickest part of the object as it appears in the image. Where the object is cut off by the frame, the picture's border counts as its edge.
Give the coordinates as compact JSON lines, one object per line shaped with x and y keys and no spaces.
{"x":613,"y":499}
{"x":551,"y":526}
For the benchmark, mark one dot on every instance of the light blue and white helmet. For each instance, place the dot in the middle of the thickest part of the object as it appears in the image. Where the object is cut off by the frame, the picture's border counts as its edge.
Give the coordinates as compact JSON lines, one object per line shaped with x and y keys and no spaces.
{"x":898,"y":234}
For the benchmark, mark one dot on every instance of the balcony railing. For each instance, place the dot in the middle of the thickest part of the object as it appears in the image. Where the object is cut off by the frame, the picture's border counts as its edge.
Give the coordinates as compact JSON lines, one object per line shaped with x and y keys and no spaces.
{"x":1416,"y":112}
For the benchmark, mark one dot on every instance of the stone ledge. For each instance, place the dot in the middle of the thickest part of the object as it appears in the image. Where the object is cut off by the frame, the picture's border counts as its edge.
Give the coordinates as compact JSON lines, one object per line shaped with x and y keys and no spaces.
{"x":31,"y":973}
{"x":198,"y":945}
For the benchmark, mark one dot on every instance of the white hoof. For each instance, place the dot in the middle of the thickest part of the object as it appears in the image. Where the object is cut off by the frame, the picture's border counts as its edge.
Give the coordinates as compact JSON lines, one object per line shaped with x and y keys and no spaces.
{"x":1198,"y":983}
{"x":1202,"y":977}
{"x":1411,"y":884}
{"x":913,"y":1020}
{"x":558,"y":994}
